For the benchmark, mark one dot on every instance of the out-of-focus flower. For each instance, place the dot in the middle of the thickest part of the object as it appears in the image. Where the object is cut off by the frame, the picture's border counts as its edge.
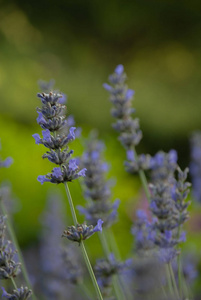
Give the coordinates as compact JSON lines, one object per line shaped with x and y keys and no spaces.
{"x":121,"y":98}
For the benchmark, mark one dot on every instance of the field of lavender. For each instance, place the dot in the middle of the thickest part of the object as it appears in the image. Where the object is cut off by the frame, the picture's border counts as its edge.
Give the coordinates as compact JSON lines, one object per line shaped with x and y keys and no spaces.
{"x":89,"y":210}
{"x":160,"y":260}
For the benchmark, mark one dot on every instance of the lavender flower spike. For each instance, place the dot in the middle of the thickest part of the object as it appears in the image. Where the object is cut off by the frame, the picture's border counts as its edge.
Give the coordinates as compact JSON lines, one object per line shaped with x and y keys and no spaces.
{"x":121,"y":97}
{"x":22,"y":293}
{"x":81,"y":231}
{"x":57,"y":134}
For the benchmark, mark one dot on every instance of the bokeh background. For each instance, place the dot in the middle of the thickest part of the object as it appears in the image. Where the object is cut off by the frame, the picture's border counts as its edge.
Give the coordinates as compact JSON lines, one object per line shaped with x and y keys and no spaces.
{"x":79,"y":43}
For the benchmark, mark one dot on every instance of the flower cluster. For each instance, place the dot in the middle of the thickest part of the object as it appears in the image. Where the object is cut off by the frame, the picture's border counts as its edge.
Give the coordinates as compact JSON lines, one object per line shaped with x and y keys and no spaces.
{"x":22,"y":293}
{"x":121,"y":97}
{"x":143,"y":232}
{"x":97,"y":188}
{"x":56,"y":135}
{"x":81,"y":231}
{"x":195,"y":165}
{"x":52,"y":259}
{"x":105,"y":269}
{"x":9,"y":268}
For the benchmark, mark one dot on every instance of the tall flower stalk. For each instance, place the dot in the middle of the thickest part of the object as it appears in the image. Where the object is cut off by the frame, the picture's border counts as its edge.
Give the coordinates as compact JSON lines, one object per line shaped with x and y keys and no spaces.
{"x":166,"y":194}
{"x":56,"y":137}
{"x":6,"y":251}
{"x":97,"y":192}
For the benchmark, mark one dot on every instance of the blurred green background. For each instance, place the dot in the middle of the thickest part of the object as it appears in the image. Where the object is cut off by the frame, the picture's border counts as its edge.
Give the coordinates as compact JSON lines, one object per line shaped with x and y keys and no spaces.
{"x":79,"y":43}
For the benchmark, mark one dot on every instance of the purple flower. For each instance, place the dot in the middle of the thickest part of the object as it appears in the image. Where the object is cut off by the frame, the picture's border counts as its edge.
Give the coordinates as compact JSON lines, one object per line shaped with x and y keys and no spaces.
{"x":141,"y":215}
{"x":73,"y":164}
{"x":182,"y":237}
{"x":71,"y":135}
{"x":98,"y":227}
{"x":119,"y":69}
{"x":63,"y":99}
{"x":173,"y":156}
{"x":41,"y":119}
{"x":107,"y":87}
{"x":57,"y":172}
{"x":70,"y":121}
{"x":7,"y":162}
{"x":37,"y":138}
{"x":82,"y":172}
{"x":42,"y":179}
{"x":129,"y":94}
{"x":168,"y":235}
{"x":130,"y":155}
{"x":46,"y":135}
{"x":5,"y":294}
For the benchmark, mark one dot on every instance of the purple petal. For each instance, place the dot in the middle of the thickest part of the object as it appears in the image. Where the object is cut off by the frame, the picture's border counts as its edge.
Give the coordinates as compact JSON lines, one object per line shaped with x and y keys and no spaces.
{"x":63,"y":99}
{"x":173,"y":156}
{"x":107,"y":87}
{"x":182,"y":237}
{"x":7,"y":162}
{"x":78,"y":132}
{"x":5,"y":294}
{"x":82,"y":172}
{"x":119,"y":69}
{"x":95,"y":155}
{"x":116,"y":204}
{"x":168,"y":235}
{"x":70,"y":121}
{"x":98,"y":227}
{"x":73,"y":164}
{"x":57,"y":172}
{"x":129,"y":94}
{"x":130,"y":155}
{"x":71,"y":135}
{"x":42,"y":179}
{"x":41,"y":119}
{"x":46,"y":135}
{"x":141,"y":214}
{"x":37,"y":138}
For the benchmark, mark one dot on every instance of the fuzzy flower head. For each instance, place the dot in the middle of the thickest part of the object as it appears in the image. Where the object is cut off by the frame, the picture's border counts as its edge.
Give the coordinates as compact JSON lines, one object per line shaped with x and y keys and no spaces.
{"x":22,"y":293}
{"x":121,"y":98}
{"x":81,"y":231}
{"x":58,"y":132}
{"x":195,"y":165}
{"x":8,"y":266}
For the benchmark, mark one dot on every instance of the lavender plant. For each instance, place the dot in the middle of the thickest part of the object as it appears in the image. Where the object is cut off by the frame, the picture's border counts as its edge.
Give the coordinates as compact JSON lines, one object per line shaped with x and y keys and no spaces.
{"x":56,"y":138}
{"x":61,"y":257}
{"x":9,"y":266}
{"x":155,"y":271}
{"x":195,"y":165}
{"x":166,"y":194}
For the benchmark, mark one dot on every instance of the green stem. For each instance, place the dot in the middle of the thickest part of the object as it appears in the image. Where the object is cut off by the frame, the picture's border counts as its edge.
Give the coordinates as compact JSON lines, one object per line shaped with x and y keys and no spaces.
{"x":13,"y":282}
{"x":143,"y":179}
{"x":91,"y":271}
{"x":15,"y":242}
{"x":71,"y":203}
{"x":93,"y":278}
{"x":169,"y":280}
{"x":173,"y":281}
